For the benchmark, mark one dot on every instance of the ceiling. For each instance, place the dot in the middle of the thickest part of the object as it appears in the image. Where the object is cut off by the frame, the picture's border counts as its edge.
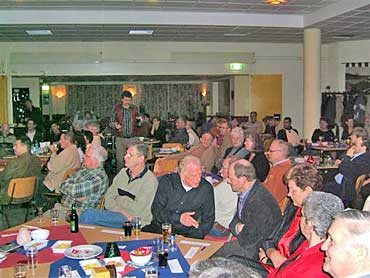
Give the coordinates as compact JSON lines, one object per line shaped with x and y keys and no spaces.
{"x":184,"y":20}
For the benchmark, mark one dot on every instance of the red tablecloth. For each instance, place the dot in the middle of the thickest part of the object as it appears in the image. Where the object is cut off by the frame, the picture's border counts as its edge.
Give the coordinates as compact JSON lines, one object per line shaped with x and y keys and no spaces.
{"x":46,"y":255}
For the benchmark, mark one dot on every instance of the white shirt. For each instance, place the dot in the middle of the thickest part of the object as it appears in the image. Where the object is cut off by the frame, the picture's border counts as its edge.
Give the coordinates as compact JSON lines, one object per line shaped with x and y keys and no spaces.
{"x":225,"y":203}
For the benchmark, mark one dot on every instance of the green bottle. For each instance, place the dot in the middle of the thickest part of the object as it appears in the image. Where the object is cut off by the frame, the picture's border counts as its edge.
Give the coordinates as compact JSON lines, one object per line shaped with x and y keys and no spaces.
{"x":73,"y":224}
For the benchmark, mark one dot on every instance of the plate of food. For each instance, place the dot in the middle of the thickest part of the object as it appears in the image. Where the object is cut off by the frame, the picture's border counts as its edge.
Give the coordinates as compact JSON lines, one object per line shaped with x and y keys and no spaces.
{"x":83,"y":252}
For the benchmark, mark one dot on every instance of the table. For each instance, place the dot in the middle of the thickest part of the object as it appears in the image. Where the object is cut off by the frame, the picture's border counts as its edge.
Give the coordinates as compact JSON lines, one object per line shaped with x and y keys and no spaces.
{"x":96,"y":235}
{"x":332,"y":150}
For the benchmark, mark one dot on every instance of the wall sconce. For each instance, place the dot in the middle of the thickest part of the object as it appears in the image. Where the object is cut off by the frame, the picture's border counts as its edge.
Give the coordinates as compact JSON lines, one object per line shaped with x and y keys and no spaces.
{"x":204,"y":92}
{"x":130,"y":88}
{"x":59,"y":91}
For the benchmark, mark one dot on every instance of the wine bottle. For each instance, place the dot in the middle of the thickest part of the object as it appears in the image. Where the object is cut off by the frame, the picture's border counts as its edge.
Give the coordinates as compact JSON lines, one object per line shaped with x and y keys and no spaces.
{"x":73,"y":224}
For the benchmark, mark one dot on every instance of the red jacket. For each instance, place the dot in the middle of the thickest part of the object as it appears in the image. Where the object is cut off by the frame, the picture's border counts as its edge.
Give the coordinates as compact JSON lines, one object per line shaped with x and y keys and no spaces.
{"x":306,"y":263}
{"x":119,"y":117}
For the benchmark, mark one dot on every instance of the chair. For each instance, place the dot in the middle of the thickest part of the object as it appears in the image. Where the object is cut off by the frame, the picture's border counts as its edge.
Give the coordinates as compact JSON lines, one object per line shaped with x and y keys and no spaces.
{"x":178,"y":146}
{"x":20,"y":191}
{"x":367,"y":204}
{"x":284,"y":204}
{"x":163,"y":165}
{"x":101,"y":204}
{"x":360,"y":182}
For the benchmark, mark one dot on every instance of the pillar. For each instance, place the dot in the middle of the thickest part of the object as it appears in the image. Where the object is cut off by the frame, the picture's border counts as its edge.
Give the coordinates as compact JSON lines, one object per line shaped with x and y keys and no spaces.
{"x":312,"y":71}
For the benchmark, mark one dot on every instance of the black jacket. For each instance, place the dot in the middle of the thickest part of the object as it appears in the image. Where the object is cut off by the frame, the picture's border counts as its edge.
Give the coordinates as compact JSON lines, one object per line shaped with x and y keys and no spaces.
{"x":171,"y":200}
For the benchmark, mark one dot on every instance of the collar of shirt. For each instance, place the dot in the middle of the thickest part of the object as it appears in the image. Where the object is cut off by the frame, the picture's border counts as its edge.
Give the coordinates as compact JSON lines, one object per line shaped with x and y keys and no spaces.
{"x":357,"y":155}
{"x":280,"y":162}
{"x":186,"y":187}
{"x":141,"y":175}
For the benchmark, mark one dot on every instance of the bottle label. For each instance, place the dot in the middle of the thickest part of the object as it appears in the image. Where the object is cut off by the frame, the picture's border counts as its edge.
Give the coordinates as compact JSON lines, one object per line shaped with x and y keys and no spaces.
{"x":73,"y":226}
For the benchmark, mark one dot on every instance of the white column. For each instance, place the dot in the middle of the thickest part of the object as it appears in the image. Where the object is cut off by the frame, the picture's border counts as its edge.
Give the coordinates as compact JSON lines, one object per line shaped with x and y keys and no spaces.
{"x":312,"y":71}
{"x":215,"y":98}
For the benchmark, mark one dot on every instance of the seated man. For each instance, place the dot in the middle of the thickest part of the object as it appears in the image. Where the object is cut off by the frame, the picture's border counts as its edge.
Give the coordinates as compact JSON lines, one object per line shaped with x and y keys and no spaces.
{"x":205,"y":151}
{"x":223,"y":138}
{"x":354,"y":163}
{"x":24,"y":165}
{"x":87,"y":187}
{"x":225,"y":202}
{"x":32,"y":133}
{"x":180,"y":135}
{"x":278,"y":156}
{"x":59,"y":164}
{"x":131,"y":193}
{"x":257,"y":211}
{"x":347,"y":248}
{"x":7,"y":141}
{"x":185,"y":200}
{"x":237,"y":149}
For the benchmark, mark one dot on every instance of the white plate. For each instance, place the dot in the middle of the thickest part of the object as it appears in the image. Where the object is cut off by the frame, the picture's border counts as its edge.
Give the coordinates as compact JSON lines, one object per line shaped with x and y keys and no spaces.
{"x":83,"y":252}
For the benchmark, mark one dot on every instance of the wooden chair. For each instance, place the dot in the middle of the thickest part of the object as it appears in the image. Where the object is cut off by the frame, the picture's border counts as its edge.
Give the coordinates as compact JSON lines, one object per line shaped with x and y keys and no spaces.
{"x":367,"y":204}
{"x":20,"y":191}
{"x":163,"y":165}
{"x":284,"y":204}
{"x":360,"y":182}
{"x":178,"y":146}
{"x":101,"y":204}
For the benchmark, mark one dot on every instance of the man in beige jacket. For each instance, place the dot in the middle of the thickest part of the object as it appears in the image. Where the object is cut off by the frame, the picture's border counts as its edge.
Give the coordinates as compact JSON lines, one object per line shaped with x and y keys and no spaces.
{"x":60,"y":163}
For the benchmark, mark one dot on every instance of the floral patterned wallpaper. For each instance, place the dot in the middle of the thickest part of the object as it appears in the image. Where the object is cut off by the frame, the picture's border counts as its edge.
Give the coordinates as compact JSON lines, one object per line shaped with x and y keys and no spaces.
{"x":155,"y":99}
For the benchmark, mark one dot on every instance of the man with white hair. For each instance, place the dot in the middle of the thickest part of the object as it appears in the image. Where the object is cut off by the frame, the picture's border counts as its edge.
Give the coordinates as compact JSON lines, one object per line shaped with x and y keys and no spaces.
{"x":86,"y":188}
{"x":347,"y":248}
{"x":185,"y":200}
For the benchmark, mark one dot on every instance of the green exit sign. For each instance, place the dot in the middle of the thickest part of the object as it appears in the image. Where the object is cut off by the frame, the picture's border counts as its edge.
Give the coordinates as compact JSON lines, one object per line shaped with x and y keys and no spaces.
{"x":236,"y":66}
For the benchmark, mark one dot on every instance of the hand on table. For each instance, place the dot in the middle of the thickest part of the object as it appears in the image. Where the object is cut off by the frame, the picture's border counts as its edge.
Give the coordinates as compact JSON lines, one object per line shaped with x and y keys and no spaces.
{"x":187,"y":220}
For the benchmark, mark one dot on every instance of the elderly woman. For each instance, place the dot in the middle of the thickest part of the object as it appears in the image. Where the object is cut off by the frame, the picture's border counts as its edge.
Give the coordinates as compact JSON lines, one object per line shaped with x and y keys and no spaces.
{"x":254,"y":145}
{"x":318,"y":210}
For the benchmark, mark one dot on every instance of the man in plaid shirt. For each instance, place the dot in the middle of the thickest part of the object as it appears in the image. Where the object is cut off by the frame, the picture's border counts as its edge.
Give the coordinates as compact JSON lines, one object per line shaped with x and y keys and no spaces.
{"x":87,"y":187}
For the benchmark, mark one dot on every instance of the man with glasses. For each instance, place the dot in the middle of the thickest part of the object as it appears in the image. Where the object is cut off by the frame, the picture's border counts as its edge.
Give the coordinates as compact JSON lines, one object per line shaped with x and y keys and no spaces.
{"x":131,"y":193}
{"x":278,"y":156}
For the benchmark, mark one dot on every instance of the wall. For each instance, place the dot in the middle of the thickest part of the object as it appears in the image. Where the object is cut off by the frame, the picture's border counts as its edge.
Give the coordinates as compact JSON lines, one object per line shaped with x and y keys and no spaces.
{"x":334,"y":57}
{"x":151,"y":58}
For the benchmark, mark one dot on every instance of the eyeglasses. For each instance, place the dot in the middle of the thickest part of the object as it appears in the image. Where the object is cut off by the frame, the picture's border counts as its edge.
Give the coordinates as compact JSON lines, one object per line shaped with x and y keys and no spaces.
{"x":130,"y":155}
{"x":272,"y":151}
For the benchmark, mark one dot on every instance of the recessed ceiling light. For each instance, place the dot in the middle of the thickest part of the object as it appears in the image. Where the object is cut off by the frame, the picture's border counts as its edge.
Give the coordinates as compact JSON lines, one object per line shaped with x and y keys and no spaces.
{"x":38,"y":32}
{"x":234,"y":35}
{"x":141,"y":32}
{"x":275,"y":2}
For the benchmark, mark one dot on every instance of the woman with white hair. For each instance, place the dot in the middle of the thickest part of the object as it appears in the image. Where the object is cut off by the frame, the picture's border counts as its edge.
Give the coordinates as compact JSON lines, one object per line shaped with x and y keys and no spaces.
{"x":318,"y":210}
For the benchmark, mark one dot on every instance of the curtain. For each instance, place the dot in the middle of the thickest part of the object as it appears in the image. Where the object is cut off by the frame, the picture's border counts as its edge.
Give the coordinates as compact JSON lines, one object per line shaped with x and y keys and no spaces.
{"x":3,"y":100}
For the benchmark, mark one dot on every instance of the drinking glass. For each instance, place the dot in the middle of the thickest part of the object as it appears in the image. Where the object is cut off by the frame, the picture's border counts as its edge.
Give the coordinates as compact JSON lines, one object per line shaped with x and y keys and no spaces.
{"x":20,"y":270}
{"x":54,"y":216}
{"x":166,"y":232}
{"x":151,"y":271}
{"x":127,"y":226}
{"x":39,"y":214}
{"x":31,"y":254}
{"x":136,"y":225}
{"x":163,"y":255}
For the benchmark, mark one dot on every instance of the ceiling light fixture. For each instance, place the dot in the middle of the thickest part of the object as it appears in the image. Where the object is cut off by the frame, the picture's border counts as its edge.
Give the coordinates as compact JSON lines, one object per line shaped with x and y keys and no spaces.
{"x":39,"y":32}
{"x":141,"y":32}
{"x":275,"y":2}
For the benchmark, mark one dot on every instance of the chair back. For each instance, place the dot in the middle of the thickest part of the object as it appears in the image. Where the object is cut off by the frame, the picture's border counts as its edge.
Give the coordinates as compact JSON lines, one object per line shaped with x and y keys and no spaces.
{"x":360,"y":182}
{"x":165,"y":165}
{"x":68,"y":173}
{"x":178,"y":146}
{"x":101,"y":204}
{"x":22,"y":188}
{"x":367,"y":204}
{"x":284,"y":204}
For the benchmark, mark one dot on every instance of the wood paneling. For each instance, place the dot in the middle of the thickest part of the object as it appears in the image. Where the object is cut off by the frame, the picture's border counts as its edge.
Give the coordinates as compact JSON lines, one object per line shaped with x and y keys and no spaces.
{"x":266,"y":94}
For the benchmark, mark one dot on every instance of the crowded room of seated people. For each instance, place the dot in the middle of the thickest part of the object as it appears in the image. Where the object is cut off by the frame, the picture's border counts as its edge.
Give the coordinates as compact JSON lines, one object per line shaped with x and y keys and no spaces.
{"x":221,"y":196}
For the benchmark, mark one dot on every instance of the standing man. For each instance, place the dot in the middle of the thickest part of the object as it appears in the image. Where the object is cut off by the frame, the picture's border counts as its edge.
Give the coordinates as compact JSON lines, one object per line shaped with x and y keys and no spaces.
{"x":184,"y":200}
{"x":32,"y":112}
{"x":257,"y":211}
{"x":124,"y":122}
{"x":131,"y":193}
{"x":347,"y":248}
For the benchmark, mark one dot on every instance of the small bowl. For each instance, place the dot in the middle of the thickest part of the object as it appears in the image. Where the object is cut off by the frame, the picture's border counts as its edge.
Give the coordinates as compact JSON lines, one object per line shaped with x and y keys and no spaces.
{"x":40,"y":234}
{"x":140,"y":259}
